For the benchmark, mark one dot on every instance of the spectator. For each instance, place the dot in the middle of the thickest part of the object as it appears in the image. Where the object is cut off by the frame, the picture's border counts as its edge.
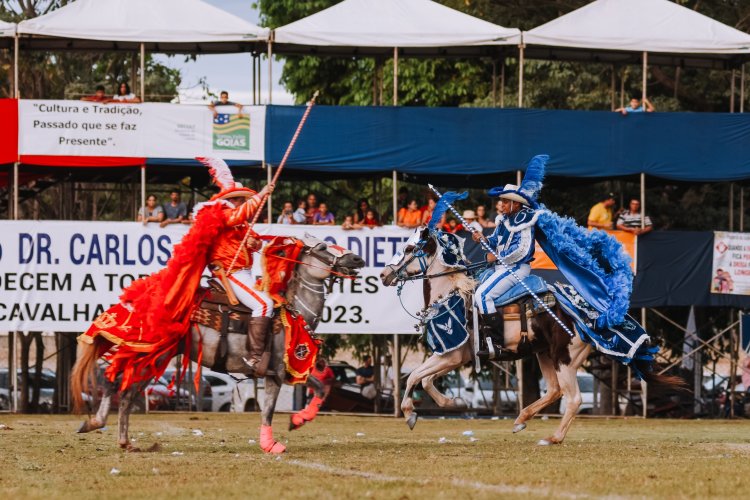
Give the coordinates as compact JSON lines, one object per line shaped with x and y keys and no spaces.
{"x":452,"y":226}
{"x":427,"y":212}
{"x":300,"y":215}
{"x":362,"y":207}
{"x":312,"y":207}
{"x":124,"y":95}
{"x":324,"y":374}
{"x":635,"y":106}
{"x":600,"y":215}
{"x":496,"y":215}
{"x":471,"y":221}
{"x":175,"y":211}
{"x":152,"y":212}
{"x":402,"y":200}
{"x":99,"y":95}
{"x":287,"y":214}
{"x":482,"y":217}
{"x":323,"y":217}
{"x":410,"y":217}
{"x":349,"y":223}
{"x":366,"y":378}
{"x":371,"y":219}
{"x":224,"y":101}
{"x":630,"y":220}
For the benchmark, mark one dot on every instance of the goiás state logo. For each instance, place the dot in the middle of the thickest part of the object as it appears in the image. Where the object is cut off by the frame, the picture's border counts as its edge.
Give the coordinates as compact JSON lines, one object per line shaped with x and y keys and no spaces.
{"x":231,"y":132}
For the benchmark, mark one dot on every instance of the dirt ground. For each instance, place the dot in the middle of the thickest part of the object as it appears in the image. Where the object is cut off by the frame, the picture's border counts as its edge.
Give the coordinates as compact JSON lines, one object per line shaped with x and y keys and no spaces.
{"x":378,"y":457}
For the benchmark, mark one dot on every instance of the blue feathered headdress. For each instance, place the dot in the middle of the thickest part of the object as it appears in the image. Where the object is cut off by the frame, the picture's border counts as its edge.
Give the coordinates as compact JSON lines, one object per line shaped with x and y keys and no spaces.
{"x":441,"y":207}
{"x":531,"y":185}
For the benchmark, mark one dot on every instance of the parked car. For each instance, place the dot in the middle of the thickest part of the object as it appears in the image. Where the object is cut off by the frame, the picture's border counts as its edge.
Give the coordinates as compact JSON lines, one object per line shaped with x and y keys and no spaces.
{"x":483,"y":397}
{"x":229,"y":393}
{"x":202,"y":401}
{"x":46,"y":389}
{"x":346,"y":394}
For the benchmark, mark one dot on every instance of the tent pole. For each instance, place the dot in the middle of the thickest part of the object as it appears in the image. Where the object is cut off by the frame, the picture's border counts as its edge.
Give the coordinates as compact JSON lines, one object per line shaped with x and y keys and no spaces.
{"x":260,"y":79}
{"x":270,"y":73}
{"x":396,"y":365}
{"x":15,"y":191}
{"x":644,"y":82}
{"x":731,"y":206}
{"x":520,"y":76}
{"x":502,"y":83}
{"x":622,"y":90}
{"x":395,"y":76}
{"x":16,"y":87}
{"x":252,"y":61}
{"x":742,"y":209}
{"x":143,"y":187}
{"x":731,"y":92}
{"x":395,"y":198}
{"x":143,"y":75}
{"x":494,"y":84}
{"x":518,"y":177}
{"x":742,"y":88}
{"x":643,"y":200}
{"x":613,"y":92}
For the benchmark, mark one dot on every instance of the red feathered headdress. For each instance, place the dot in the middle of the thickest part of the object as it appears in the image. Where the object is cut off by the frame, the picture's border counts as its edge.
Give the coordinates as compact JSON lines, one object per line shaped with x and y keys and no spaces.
{"x":223,"y":178}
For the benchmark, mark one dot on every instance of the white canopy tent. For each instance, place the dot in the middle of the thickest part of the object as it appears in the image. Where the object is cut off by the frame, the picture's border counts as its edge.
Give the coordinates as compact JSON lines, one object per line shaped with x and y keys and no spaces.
{"x":7,"y":29}
{"x":411,"y":28}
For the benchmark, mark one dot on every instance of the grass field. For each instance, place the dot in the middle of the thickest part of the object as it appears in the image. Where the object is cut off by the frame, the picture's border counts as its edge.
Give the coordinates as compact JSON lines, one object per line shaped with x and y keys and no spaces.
{"x":378,"y":457}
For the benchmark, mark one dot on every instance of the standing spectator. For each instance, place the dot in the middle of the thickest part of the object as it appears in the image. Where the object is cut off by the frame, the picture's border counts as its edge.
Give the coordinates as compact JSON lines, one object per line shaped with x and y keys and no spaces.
{"x":99,"y":95}
{"x":300,"y":215}
{"x":124,"y":95}
{"x":471,"y":221}
{"x":600,"y":215}
{"x":635,"y":106}
{"x":175,"y":211}
{"x":224,"y":101}
{"x":427,"y":212}
{"x":410,"y":217}
{"x":630,"y":220}
{"x":323,"y":217}
{"x":312,"y":207}
{"x":371,"y":219}
{"x":323,"y":374}
{"x":362,"y":207}
{"x":482,"y":217}
{"x":152,"y":212}
{"x":366,"y":378}
{"x":287,"y":214}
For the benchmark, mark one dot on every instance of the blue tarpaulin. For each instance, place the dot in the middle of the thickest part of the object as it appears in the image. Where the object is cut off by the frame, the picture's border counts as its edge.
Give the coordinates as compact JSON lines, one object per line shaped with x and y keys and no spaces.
{"x":471,"y":141}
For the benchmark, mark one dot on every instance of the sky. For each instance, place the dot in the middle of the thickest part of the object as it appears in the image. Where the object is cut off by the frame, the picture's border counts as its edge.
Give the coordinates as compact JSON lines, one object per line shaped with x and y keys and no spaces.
{"x":230,"y":72}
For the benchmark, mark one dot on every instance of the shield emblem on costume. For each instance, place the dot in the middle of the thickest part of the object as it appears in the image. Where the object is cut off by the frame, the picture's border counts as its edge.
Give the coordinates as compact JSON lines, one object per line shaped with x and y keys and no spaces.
{"x":302,"y":351}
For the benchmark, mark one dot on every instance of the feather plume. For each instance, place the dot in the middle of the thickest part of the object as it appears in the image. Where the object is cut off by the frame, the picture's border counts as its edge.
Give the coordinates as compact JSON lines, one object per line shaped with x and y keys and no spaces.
{"x":219,"y":171}
{"x":532,"y":179}
{"x":442,"y":206}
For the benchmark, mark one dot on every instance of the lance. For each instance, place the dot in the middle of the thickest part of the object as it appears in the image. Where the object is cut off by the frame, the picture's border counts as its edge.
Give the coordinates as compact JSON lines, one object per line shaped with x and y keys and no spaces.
{"x":275,"y":178}
{"x":487,"y":247}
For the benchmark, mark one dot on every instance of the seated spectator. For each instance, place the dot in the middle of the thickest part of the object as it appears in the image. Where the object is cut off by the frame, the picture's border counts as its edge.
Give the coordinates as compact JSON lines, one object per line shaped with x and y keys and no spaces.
{"x":630,"y":220}
{"x":411,"y":216}
{"x":287,"y":214}
{"x":152,"y":212}
{"x":482,"y":217}
{"x":312,"y":207}
{"x":362,"y":207}
{"x":323,"y":217}
{"x":600,"y":215}
{"x":427,"y":212}
{"x":366,"y":378}
{"x":471,"y":221}
{"x":349,"y":223}
{"x":635,"y":106}
{"x":99,"y":95}
{"x":371,"y":219}
{"x":175,"y":211}
{"x":300,"y":215}
{"x":124,"y":95}
{"x":452,"y":226}
{"x":224,"y":101}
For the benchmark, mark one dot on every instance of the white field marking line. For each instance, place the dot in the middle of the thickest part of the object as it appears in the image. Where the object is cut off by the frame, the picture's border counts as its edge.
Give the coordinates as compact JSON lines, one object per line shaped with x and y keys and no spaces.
{"x":462,"y":483}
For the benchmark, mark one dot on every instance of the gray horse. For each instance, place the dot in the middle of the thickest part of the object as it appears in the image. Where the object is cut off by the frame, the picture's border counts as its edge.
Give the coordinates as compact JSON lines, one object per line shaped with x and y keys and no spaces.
{"x":305,"y":295}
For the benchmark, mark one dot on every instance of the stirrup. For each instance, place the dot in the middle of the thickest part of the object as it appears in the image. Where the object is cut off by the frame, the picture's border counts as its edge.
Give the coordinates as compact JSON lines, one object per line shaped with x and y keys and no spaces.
{"x":251,"y":365}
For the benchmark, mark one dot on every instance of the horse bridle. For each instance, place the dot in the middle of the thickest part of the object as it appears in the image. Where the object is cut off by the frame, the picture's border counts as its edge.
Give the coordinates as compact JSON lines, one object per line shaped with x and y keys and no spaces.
{"x":421,"y":256}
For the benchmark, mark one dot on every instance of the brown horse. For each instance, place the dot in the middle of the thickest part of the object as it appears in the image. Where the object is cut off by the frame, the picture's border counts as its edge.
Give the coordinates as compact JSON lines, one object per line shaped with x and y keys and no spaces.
{"x":305,"y":296}
{"x":559,"y":355}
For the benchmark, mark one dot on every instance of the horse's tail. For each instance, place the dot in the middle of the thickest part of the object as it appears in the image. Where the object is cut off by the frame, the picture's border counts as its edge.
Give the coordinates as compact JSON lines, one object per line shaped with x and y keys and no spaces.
{"x":83,"y":376}
{"x":668,"y":381}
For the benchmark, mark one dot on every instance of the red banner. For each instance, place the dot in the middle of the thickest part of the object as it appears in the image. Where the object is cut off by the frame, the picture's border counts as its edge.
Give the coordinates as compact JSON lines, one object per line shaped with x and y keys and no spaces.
{"x":9,"y":135}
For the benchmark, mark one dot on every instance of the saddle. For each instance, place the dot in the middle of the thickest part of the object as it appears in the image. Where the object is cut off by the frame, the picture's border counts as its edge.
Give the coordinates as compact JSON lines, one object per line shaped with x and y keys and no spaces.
{"x":517,"y":304}
{"x":216,"y":311}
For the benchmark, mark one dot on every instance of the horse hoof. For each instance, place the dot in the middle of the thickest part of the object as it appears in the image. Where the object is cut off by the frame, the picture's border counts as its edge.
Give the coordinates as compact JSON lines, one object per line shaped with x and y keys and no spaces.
{"x":545,"y":442}
{"x":412,"y":421}
{"x":88,"y":426}
{"x":519,"y":428}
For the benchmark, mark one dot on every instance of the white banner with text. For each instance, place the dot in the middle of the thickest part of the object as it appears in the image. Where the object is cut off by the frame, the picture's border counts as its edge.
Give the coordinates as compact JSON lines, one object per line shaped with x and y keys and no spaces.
{"x":731,"y":263}
{"x":59,"y":275}
{"x":152,"y":130}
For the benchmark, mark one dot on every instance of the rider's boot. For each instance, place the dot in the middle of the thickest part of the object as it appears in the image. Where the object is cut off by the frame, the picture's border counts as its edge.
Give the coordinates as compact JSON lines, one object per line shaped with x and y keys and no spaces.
{"x":256,"y":346}
{"x":493,"y":331}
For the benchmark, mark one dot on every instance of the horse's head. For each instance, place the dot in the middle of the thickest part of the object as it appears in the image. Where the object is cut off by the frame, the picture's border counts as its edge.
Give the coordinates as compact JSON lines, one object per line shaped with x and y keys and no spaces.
{"x":326,"y":259}
{"x":425,"y":249}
